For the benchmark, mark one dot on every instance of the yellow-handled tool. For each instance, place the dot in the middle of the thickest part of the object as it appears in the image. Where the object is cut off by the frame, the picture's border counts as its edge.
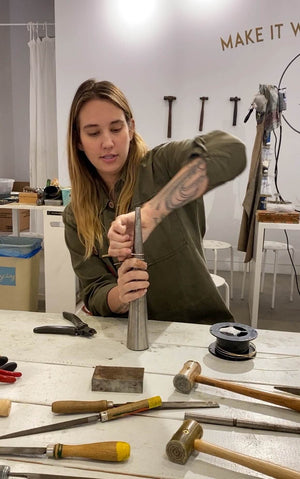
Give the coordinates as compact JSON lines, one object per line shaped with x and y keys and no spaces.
{"x":114,"y":451}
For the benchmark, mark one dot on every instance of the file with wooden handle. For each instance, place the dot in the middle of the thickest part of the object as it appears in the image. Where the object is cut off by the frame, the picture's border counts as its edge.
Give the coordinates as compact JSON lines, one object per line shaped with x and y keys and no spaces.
{"x":113,"y":451}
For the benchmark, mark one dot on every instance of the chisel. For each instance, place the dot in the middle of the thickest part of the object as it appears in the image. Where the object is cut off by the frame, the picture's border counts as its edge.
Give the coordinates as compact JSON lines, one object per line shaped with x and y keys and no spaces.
{"x":114,"y":451}
{"x":108,"y":415}
{"x":77,"y":407}
{"x":5,"y":474}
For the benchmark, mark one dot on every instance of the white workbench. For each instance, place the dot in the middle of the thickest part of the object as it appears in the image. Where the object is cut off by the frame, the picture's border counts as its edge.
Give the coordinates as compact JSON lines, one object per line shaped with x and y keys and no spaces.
{"x":255,"y":271}
{"x":57,"y":367}
{"x":60,"y":280}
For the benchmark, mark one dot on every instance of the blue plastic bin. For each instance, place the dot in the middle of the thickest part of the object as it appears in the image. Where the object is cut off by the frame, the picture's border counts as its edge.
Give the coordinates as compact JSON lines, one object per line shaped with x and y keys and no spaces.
{"x":19,"y":272}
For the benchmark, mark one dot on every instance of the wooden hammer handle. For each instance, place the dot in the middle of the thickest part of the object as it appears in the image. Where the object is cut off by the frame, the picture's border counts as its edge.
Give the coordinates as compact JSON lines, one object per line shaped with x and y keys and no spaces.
{"x":265,"y":467}
{"x":279,"y":399}
{"x":73,"y":407}
{"x":5,"y":405}
{"x":102,"y":451}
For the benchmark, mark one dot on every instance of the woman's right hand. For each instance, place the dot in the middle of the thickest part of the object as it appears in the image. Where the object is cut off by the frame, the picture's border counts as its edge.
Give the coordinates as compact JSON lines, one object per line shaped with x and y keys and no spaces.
{"x":133,"y":280}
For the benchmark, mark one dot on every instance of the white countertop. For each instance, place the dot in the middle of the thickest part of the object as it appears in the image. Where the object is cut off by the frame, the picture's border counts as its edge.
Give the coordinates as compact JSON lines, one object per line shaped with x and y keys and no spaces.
{"x":57,"y":367}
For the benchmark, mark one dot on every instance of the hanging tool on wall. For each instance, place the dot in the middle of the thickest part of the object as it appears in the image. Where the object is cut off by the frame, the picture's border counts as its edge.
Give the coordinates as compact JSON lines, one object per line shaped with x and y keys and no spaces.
{"x":170,"y":100}
{"x":203,"y":100}
{"x":235,"y":99}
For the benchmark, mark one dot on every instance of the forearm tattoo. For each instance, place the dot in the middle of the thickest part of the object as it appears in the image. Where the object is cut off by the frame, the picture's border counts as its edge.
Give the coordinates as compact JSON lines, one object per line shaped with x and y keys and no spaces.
{"x":190,"y":183}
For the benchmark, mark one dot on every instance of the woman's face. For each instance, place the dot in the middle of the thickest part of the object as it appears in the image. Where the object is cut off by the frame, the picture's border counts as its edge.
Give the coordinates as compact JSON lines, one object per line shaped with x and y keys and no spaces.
{"x":105,"y":138}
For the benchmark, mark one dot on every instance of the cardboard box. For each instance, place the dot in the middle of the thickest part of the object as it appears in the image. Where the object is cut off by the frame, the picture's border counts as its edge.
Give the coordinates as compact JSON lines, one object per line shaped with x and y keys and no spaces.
{"x":6,"y":220}
{"x":28,"y":198}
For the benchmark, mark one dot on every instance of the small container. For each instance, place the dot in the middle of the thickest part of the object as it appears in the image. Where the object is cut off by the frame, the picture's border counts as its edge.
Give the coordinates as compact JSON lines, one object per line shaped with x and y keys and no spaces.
{"x":66,"y":195}
{"x":6,"y":185}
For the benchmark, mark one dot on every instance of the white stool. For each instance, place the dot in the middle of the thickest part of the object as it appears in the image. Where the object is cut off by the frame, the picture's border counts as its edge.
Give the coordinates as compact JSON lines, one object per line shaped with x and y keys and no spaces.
{"x":274,"y":246}
{"x":219,"y":282}
{"x":216,"y":245}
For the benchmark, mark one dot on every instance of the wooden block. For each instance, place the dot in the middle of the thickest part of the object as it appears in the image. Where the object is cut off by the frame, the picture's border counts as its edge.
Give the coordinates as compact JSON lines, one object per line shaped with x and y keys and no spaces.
{"x":118,"y":379}
{"x":29,"y":198}
{"x":265,"y":216}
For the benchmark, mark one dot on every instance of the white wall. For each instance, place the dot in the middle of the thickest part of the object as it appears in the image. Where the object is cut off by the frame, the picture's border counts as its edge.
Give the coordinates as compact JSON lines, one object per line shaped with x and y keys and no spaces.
{"x":173,"y":47}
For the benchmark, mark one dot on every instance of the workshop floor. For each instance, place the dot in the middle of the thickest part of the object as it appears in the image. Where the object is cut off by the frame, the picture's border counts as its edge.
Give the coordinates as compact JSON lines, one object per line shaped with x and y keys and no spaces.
{"x":286,"y":314}
{"x":284,"y":317}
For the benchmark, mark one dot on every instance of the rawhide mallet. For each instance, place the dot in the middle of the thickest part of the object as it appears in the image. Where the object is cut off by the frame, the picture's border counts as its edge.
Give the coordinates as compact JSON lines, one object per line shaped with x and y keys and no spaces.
{"x":190,"y":374}
{"x":188,"y":438}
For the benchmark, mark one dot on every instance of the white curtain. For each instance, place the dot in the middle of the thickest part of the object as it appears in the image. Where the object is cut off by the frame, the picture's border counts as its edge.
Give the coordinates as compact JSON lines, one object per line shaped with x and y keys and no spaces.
{"x":43,"y":134}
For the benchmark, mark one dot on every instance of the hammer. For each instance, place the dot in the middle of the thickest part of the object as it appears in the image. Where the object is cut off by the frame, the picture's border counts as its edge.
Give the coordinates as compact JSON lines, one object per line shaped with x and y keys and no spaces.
{"x":202,"y":98}
{"x":170,"y":99}
{"x":235,"y":99}
{"x":191,"y":373}
{"x":188,"y":438}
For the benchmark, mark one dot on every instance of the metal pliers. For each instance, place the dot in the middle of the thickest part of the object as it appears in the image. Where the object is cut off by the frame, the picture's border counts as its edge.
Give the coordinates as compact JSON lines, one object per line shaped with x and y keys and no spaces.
{"x":79,"y":329}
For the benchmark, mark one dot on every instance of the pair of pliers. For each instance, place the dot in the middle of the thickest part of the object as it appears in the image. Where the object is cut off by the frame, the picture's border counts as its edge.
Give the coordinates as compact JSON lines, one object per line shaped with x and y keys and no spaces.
{"x":79,"y":329}
{"x":8,"y":366}
{"x":9,"y":376}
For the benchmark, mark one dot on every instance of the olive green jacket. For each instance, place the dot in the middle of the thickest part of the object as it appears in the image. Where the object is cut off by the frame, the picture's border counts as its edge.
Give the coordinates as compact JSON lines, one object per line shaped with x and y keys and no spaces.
{"x":181,"y":288}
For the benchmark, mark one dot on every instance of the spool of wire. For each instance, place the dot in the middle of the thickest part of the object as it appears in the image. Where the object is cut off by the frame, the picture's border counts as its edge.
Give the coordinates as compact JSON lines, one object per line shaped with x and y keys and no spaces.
{"x":233,"y":341}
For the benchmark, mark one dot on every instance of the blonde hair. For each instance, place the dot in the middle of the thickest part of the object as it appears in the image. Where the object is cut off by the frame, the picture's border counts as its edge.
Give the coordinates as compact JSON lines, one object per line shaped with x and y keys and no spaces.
{"x":85,"y":180}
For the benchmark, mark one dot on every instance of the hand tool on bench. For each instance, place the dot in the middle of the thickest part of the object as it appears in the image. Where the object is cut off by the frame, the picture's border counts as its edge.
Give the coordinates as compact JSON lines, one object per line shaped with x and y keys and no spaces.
{"x":203,"y":99}
{"x":188,"y":438}
{"x":79,"y":329}
{"x":5,"y":406}
{"x":6,"y":474}
{"x":190,"y":374}
{"x":137,"y":330}
{"x":113,"y":451}
{"x":235,"y":99}
{"x":77,"y":407}
{"x":108,"y":415}
{"x":170,"y":100}
{"x":4,"y":364}
{"x":288,"y":389}
{"x":9,"y":376}
{"x":244,"y":423}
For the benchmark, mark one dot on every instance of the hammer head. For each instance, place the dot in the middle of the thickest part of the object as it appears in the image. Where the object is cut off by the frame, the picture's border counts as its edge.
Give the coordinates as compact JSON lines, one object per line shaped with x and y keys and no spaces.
{"x":184,"y":381}
{"x":170,"y":98}
{"x":234,"y":98}
{"x":181,"y":445}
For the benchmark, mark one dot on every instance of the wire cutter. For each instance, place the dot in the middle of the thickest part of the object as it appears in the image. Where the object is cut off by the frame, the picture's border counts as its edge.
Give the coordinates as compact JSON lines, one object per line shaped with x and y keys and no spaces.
{"x":79,"y":329}
{"x":9,"y":376}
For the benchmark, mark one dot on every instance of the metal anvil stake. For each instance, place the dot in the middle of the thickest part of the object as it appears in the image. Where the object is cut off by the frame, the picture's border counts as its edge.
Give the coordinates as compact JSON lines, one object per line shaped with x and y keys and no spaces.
{"x":137,"y":332}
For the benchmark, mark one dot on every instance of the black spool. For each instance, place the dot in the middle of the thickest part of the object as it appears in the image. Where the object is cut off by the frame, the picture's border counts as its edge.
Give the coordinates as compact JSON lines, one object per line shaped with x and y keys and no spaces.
{"x":233,"y":341}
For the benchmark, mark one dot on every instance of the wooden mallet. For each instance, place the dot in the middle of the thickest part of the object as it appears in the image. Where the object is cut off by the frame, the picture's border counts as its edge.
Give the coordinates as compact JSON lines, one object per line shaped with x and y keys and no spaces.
{"x":188,"y":438}
{"x":190,"y":374}
{"x":5,"y":405}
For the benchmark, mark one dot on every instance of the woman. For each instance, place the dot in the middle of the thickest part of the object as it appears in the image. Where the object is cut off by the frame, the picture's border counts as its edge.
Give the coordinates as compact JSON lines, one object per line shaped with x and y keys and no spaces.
{"x":111,"y":173}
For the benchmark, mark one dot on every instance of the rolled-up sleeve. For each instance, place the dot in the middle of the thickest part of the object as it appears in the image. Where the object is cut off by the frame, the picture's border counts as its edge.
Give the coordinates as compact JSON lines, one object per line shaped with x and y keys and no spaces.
{"x":225,"y":156}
